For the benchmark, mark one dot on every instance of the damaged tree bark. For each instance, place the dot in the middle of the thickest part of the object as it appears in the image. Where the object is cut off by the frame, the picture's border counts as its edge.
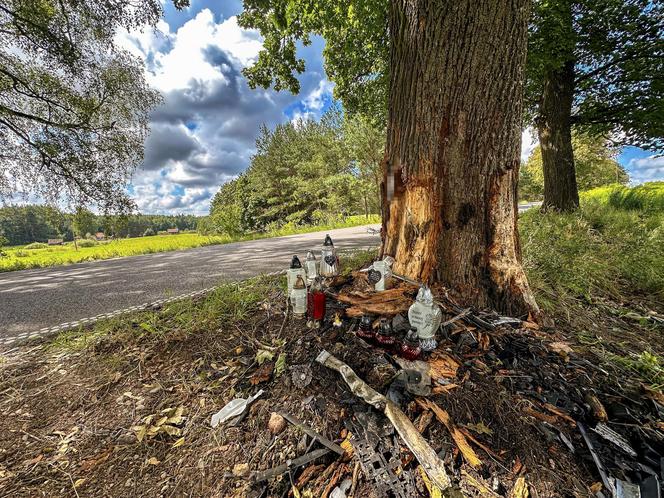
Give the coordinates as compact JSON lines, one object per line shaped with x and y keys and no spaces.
{"x":452,"y":157}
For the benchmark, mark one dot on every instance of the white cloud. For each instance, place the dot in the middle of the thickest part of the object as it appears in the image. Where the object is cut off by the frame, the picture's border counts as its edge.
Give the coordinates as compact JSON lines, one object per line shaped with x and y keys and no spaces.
{"x":188,"y":60}
{"x":646,"y":169}
{"x":204,"y":133}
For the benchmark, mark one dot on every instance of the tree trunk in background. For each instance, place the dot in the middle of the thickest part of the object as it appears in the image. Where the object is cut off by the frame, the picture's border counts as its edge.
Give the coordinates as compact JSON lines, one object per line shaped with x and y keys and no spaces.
{"x":453,"y":140}
{"x":555,"y":137}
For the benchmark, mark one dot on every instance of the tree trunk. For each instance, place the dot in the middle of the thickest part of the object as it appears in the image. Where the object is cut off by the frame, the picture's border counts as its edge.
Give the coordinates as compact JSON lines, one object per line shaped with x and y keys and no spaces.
{"x":453,"y":145}
{"x":555,"y":137}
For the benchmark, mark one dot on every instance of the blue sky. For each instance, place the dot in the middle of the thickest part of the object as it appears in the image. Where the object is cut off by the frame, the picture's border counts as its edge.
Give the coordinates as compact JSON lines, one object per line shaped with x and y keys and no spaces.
{"x":203,"y":134}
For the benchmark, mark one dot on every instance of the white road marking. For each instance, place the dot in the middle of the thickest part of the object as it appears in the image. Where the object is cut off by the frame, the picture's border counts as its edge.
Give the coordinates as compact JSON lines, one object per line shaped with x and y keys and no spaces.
{"x":159,"y":302}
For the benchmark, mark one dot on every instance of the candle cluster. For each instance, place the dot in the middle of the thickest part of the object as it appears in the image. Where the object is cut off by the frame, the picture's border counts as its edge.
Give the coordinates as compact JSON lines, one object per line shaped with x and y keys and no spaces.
{"x":305,"y":284}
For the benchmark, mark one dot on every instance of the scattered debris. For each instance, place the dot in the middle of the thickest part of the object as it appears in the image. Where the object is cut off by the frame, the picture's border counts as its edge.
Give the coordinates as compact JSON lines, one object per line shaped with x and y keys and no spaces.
{"x":499,"y":402}
{"x":413,"y":439}
{"x":301,"y":375}
{"x":276,"y":424}
{"x":234,"y":410}
{"x":312,"y":433}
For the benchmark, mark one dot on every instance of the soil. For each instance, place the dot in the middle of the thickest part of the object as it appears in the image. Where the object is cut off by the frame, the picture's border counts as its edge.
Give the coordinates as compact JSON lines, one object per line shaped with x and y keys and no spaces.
{"x":70,"y":418}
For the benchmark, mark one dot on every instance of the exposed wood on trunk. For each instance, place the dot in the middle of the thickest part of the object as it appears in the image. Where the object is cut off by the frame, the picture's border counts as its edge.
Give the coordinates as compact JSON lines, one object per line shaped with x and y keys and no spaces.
{"x":453,"y":146}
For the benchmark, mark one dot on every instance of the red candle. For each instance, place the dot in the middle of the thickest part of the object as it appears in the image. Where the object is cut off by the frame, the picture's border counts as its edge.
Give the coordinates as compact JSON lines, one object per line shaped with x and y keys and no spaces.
{"x":316,"y":301}
{"x":365,"y":330}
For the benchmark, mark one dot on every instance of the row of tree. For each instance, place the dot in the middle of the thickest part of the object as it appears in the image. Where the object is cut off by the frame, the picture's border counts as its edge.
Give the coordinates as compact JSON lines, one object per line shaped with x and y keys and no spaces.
{"x":446,"y":79}
{"x":450,"y":79}
{"x":304,"y":172}
{"x":594,"y":162}
{"x":33,"y":223}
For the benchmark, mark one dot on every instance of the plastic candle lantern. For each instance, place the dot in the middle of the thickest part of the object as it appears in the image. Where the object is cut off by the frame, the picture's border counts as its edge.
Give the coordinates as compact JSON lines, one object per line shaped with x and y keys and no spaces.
{"x":385,"y":336}
{"x":292,"y":273}
{"x":410,"y":347}
{"x":380,"y":271}
{"x":311,"y":267}
{"x":298,"y":297}
{"x":316,"y":303}
{"x":329,"y":262}
{"x":365,"y":330}
{"x":425,"y":316}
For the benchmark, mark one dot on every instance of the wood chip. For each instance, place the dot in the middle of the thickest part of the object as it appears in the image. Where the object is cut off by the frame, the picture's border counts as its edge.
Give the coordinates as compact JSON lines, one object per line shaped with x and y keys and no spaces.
{"x":520,"y":489}
{"x":442,"y":365}
{"x":459,"y":438}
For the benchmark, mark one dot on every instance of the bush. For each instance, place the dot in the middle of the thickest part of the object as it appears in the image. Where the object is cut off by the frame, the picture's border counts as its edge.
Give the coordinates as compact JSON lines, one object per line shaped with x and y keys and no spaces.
{"x":149,"y":232}
{"x":87,"y":243}
{"x":36,"y":245}
{"x":646,"y":197}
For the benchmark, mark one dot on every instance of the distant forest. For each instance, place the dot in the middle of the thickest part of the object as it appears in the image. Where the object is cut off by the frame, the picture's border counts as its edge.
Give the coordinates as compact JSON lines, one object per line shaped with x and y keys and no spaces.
{"x":32,"y":223}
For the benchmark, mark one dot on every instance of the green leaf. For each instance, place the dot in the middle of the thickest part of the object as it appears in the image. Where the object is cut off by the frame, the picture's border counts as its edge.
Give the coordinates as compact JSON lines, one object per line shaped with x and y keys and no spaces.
{"x":280,"y":365}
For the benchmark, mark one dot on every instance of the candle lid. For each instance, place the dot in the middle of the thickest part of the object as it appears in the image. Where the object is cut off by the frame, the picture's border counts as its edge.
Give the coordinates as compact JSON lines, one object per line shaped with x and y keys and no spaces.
{"x":295,"y":262}
{"x":328,"y":241}
{"x":424,"y":295}
{"x":310,"y":256}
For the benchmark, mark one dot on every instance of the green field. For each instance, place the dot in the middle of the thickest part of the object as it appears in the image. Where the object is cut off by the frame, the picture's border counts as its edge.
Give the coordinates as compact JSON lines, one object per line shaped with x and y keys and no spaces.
{"x":21,"y":257}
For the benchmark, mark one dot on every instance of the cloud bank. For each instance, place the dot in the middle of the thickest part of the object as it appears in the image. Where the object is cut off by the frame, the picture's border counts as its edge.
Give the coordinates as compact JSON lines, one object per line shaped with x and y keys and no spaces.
{"x":204,"y":133}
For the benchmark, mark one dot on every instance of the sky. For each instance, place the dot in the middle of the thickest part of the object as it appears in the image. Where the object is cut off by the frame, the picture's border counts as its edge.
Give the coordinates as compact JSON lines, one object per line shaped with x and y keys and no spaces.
{"x":204,"y":132}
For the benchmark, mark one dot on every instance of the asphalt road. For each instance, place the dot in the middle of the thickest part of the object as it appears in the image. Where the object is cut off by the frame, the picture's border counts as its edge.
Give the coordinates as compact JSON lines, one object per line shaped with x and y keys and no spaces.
{"x":33,"y":299}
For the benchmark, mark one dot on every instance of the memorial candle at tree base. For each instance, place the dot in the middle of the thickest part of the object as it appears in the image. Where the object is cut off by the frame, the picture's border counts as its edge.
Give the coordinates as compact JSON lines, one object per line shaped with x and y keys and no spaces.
{"x":365,"y":330}
{"x":426,"y":317}
{"x":379,"y":272}
{"x":311,"y":267}
{"x":385,"y":335}
{"x":316,"y":303}
{"x":292,"y":273}
{"x":410,"y":347}
{"x":329,"y":262}
{"x":298,"y":297}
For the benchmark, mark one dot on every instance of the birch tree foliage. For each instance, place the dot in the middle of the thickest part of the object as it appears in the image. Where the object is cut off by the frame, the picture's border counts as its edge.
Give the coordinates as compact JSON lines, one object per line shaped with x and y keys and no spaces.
{"x":73,"y":106}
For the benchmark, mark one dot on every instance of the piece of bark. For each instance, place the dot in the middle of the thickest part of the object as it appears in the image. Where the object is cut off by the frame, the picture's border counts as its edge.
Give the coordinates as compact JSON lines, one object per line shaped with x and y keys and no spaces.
{"x":561,"y":413}
{"x":404,"y":427}
{"x":442,"y":365}
{"x":599,"y":412}
{"x":462,"y":443}
{"x":336,"y":477}
{"x":308,"y":474}
{"x":423,"y":421}
{"x":549,"y":419}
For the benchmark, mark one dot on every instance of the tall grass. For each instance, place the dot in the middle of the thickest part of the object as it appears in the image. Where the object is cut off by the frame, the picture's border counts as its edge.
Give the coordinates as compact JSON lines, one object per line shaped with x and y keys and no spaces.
{"x":18,"y":258}
{"x":646,"y":197}
{"x":600,"y":250}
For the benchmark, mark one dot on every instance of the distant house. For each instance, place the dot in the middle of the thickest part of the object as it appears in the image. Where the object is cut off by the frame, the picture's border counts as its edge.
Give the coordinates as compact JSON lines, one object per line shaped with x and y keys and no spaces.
{"x":173,"y":231}
{"x":55,"y":242}
{"x":100,"y":236}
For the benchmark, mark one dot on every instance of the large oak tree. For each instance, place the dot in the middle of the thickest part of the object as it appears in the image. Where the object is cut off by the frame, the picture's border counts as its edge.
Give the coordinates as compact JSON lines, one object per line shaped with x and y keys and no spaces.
{"x":454,"y":72}
{"x":596,"y":66}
